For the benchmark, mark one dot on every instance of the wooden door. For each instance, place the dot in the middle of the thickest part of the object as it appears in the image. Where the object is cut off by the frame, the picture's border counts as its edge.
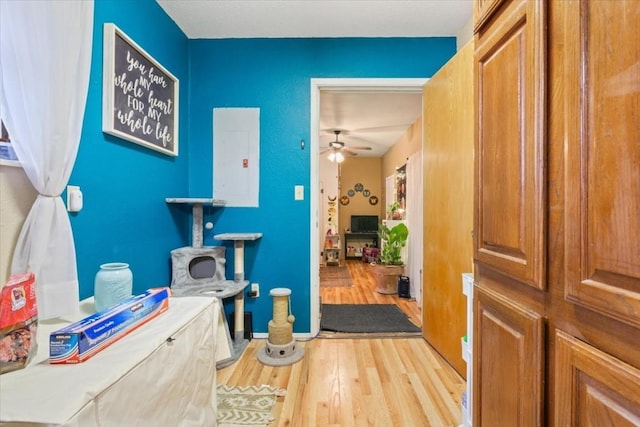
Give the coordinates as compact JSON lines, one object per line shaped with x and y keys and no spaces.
{"x":602,"y":194}
{"x":510,"y":182}
{"x":557,"y":214}
{"x":592,"y":388}
{"x":509,"y":353}
{"x":448,"y":204}
{"x":483,"y":10}
{"x":510,"y":216}
{"x":594,"y":175}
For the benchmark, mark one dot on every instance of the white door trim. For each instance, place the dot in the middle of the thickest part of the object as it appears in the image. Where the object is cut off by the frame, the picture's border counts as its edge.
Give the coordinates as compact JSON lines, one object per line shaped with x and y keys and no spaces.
{"x":340,"y":84}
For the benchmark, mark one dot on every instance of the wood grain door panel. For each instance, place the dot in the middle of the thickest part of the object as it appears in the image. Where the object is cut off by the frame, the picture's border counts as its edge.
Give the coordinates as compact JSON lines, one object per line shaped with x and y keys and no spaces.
{"x":483,"y":11}
{"x":593,"y":388}
{"x":557,"y":213}
{"x":602,"y":213}
{"x":447,"y":156}
{"x":510,"y":144}
{"x":509,"y":362}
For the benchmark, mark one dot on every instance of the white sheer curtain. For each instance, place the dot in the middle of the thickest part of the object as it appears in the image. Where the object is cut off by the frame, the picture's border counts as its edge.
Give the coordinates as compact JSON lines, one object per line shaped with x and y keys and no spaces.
{"x":389,"y":192}
{"x":414,"y":223}
{"x":45,"y":58}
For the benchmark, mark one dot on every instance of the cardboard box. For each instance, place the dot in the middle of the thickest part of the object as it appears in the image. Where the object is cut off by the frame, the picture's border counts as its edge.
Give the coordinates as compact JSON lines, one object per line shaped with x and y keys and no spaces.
{"x":81,"y":340}
{"x":18,"y":322}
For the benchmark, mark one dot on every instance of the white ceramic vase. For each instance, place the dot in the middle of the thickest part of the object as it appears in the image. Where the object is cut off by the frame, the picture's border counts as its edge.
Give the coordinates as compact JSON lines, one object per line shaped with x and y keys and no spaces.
{"x":113,"y":284}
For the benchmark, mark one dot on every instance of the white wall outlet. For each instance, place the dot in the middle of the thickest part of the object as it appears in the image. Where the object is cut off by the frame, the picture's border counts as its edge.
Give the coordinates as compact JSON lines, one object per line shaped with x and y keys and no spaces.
{"x":255,"y":290}
{"x":299,"y":192}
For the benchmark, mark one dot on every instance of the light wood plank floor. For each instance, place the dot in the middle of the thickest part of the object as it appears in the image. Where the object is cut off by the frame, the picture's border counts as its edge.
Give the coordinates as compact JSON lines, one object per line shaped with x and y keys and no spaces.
{"x":358,"y":381}
{"x":364,"y":291}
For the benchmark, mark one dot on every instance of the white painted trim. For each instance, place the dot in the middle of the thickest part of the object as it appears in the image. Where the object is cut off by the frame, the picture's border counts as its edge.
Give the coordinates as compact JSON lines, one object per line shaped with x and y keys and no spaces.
{"x":11,"y":163}
{"x":336,"y":85}
{"x":370,"y":85}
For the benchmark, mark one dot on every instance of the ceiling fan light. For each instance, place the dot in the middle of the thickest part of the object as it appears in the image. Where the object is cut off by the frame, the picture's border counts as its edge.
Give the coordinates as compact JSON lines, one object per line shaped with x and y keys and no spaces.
{"x":331,"y":156}
{"x":339,"y":157}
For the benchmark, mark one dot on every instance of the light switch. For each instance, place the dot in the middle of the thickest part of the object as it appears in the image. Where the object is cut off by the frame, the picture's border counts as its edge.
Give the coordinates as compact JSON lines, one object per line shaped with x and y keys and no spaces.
{"x":299,"y":192}
{"x":74,"y":198}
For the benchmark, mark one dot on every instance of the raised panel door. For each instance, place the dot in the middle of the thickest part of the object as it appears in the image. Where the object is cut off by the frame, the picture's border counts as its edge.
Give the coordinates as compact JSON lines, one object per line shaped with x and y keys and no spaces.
{"x":510,"y":143}
{"x":482,"y":12}
{"x":602,"y":215}
{"x":593,"y":388}
{"x":508,"y":350}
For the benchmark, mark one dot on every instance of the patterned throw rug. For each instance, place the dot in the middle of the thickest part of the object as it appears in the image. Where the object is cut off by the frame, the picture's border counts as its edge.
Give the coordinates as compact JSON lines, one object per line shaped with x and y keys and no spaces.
{"x":335,"y":276}
{"x":246,"y":405}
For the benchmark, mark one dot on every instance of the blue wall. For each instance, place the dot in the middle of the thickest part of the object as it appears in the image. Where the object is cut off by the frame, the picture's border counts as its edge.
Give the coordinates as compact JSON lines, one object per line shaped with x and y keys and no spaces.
{"x":124,"y":184}
{"x":274,"y":75}
{"x":125,"y":217}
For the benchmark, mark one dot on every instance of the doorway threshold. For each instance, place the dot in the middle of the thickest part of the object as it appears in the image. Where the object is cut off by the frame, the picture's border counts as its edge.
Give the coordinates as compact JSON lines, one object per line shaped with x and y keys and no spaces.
{"x":367,"y":335}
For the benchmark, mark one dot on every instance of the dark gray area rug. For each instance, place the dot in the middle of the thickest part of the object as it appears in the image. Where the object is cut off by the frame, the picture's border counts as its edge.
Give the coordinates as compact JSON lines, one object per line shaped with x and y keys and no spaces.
{"x":365,"y":318}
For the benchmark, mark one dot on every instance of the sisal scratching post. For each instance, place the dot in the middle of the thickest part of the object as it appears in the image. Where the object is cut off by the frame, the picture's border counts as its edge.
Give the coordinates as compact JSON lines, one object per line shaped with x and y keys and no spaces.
{"x":281,"y":348}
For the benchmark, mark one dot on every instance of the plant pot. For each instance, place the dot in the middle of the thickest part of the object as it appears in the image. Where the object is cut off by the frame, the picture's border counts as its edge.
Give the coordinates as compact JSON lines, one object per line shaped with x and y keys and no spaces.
{"x":386,"y":277}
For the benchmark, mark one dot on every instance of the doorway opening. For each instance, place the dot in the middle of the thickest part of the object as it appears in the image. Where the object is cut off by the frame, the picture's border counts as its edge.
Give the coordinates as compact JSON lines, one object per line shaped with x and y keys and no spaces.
{"x":317,"y":86}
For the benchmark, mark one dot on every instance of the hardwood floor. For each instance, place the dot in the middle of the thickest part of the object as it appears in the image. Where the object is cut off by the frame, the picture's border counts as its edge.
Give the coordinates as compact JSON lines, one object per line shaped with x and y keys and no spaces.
{"x":364,"y":291}
{"x":358,"y":381}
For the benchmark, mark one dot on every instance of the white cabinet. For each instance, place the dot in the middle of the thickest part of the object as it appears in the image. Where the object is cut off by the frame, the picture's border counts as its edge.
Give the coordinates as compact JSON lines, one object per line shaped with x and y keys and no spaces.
{"x":331,"y":249}
{"x":467,"y":349}
{"x":162,"y":373}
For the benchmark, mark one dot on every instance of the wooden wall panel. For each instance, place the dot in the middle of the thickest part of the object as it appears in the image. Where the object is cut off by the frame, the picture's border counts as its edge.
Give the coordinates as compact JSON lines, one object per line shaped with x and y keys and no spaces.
{"x":483,"y":11}
{"x":509,"y":359}
{"x":448,"y":203}
{"x":585,"y":207}
{"x":603,"y":159}
{"x":600,"y":389}
{"x":510,"y":120}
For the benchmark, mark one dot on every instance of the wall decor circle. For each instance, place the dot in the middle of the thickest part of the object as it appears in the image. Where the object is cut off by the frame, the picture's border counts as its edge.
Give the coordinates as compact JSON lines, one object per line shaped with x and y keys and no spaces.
{"x":366,"y":193}
{"x":358,"y":187}
{"x":351,"y":193}
{"x":344,"y":200}
{"x":373,"y":200}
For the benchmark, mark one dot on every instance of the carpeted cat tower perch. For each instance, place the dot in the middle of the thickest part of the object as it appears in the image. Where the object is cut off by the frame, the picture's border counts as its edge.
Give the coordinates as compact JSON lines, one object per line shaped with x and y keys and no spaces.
{"x":281,"y":348}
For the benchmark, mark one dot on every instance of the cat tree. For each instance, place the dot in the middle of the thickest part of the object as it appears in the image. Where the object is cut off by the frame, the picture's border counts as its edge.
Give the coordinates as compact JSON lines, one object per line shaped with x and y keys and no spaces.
{"x":281,"y":348}
{"x":209,"y":264}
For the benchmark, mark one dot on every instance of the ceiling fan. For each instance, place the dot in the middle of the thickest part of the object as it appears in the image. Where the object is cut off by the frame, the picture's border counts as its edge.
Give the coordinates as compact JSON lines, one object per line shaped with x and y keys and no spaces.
{"x":337,"y":149}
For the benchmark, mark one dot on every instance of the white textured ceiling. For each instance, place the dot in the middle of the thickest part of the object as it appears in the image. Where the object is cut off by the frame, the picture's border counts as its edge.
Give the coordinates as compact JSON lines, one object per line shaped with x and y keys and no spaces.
{"x":369,"y":119}
{"x":215,"y":19}
{"x":377,"y":119}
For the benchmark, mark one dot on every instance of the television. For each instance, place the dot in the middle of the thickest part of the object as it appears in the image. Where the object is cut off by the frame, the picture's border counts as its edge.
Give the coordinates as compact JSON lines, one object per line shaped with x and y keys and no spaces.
{"x":364,"y":223}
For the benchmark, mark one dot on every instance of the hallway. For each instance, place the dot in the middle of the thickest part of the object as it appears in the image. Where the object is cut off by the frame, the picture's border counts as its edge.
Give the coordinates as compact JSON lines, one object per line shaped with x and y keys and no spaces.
{"x":364,"y":291}
{"x":359,"y":381}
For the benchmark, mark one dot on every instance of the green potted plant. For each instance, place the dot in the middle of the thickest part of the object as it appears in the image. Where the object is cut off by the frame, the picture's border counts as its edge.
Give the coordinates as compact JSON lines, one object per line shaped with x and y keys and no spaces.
{"x":394,"y":211}
{"x":391,"y":264}
{"x":395,"y":239}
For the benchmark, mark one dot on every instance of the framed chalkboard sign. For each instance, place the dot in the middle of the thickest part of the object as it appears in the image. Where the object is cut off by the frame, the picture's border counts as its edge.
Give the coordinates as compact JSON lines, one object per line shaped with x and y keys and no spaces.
{"x":140,"y":96}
